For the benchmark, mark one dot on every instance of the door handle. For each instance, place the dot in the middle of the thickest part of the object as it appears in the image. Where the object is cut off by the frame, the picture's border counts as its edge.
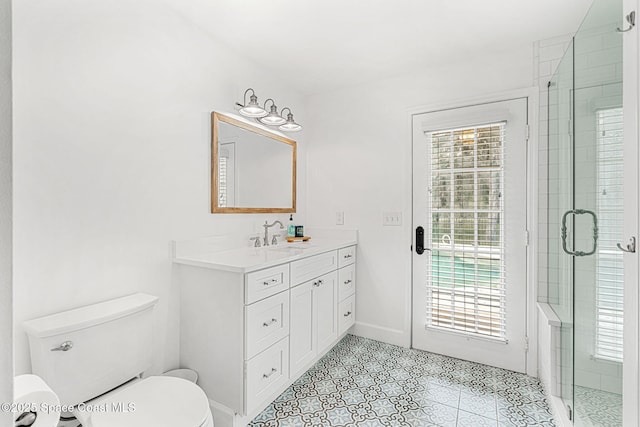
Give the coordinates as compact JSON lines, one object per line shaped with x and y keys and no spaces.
{"x":631,"y":246}
{"x":419,"y":240}
{"x":564,"y":232}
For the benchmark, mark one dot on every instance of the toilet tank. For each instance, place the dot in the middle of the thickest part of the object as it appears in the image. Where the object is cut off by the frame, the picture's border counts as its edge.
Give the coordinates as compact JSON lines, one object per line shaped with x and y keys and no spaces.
{"x":106,"y":345}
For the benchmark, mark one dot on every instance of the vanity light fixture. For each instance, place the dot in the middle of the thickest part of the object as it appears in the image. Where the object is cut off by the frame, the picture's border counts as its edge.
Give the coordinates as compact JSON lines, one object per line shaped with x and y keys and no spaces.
{"x":253,"y":109}
{"x":290,"y":125}
{"x":273,"y":118}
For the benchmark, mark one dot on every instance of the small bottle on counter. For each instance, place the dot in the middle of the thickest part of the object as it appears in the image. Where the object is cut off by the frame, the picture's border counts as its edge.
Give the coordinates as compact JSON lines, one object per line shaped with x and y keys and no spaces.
{"x":299,"y":231}
{"x":291,"y":229}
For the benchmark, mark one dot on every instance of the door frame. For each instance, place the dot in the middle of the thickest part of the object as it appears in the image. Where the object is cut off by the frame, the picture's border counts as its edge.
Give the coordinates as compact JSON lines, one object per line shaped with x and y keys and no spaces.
{"x":631,"y":112}
{"x":532,"y":96}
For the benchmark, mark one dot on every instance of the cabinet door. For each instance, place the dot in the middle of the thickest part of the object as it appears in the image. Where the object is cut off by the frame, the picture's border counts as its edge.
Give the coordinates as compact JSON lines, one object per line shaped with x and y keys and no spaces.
{"x":302,"y":343}
{"x":346,"y":256}
{"x":347,"y":314}
{"x":264,"y":283}
{"x":314,"y":266}
{"x":266,"y":374}
{"x":266,"y":322}
{"x":325,"y":301}
{"x":346,"y":282}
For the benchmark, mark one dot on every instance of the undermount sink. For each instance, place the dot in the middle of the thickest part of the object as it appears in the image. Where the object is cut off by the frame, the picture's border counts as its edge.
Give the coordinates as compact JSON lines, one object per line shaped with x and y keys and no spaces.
{"x":284,"y":249}
{"x":291,"y":248}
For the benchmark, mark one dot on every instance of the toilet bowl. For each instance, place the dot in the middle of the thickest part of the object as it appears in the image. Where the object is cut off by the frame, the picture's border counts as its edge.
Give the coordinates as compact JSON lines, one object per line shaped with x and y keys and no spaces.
{"x":94,"y":359}
{"x":151,"y":402}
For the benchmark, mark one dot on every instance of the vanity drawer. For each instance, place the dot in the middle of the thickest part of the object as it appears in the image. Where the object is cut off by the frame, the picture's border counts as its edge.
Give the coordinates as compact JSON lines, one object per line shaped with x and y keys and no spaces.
{"x":346,"y":281}
{"x":346,"y":256}
{"x":266,"y":374}
{"x":264,"y":283}
{"x":312,"y":267}
{"x":266,"y":322}
{"x":346,"y":314}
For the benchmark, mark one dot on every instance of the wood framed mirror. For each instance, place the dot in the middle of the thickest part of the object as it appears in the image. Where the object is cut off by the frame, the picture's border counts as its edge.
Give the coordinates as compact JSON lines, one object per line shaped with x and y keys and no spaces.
{"x":253,"y":169}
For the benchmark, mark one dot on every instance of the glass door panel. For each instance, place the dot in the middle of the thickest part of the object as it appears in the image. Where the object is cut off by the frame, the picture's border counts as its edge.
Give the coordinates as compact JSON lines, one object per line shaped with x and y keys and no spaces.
{"x":560,"y":200}
{"x":585,"y":187}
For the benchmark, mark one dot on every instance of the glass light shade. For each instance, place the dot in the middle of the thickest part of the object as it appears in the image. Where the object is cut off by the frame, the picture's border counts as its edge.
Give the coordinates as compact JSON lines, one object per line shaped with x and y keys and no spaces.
{"x":253,"y":109}
{"x":290,"y":125}
{"x":273,"y":118}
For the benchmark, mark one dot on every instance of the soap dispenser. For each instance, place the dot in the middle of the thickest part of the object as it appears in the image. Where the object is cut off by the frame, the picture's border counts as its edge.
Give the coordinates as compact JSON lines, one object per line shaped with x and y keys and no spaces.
{"x":291,"y":230}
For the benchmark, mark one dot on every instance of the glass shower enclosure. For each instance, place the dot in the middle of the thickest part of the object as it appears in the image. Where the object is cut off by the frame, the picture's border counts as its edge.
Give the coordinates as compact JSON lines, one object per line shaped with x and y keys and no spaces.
{"x":585,"y":179}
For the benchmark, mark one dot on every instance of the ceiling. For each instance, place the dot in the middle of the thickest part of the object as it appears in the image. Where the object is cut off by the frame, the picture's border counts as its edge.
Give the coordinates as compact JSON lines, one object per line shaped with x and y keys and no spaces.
{"x":323,"y":45}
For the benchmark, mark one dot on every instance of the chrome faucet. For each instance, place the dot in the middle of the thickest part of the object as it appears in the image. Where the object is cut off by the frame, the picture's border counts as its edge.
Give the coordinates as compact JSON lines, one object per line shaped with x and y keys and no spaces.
{"x":266,"y":226}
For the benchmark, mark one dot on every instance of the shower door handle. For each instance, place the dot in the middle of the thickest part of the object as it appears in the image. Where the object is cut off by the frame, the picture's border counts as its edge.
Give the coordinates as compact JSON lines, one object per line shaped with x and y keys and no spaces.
{"x":631,"y":246}
{"x":564,"y":232}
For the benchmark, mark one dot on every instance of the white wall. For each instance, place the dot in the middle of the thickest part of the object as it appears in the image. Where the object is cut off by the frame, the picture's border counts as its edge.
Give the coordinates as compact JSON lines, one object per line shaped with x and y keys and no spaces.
{"x":359,"y":162}
{"x":112,"y":153}
{"x":6,"y":359}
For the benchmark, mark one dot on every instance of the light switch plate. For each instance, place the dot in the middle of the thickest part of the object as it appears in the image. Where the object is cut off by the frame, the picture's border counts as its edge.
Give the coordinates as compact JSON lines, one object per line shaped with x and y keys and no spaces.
{"x":339,"y":218}
{"x":391,"y":218}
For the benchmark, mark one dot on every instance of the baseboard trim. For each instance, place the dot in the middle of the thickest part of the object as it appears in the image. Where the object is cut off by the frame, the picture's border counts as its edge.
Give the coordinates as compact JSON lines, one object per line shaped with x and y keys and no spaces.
{"x":380,"y":333}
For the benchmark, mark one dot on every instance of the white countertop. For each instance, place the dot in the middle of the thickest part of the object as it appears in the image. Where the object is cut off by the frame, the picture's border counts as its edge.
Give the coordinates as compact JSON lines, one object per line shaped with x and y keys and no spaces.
{"x":245,"y":260}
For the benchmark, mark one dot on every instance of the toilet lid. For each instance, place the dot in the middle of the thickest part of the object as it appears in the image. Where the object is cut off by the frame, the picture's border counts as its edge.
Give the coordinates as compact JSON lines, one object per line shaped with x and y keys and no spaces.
{"x":153,"y":402}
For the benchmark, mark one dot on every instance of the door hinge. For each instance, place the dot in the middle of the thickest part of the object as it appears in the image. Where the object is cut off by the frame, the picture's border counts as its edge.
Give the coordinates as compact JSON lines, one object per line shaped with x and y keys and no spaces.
{"x":526,"y":237}
{"x":570,"y":413}
{"x":526,"y":344}
{"x":527,"y":132}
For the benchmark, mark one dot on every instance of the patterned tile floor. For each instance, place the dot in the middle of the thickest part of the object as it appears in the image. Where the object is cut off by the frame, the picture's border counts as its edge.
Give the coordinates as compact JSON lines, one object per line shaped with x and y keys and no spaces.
{"x":361,"y":382}
{"x":597,"y":408}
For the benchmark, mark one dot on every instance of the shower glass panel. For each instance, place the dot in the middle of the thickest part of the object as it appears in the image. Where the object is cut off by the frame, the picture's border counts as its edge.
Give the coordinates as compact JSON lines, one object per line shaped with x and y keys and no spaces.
{"x":560,"y":191}
{"x":585,"y":178}
{"x":560,"y":200}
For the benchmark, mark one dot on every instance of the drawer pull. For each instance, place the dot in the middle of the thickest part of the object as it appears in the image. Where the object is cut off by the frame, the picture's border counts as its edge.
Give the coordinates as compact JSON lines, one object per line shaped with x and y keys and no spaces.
{"x":267,"y":324}
{"x":347,"y":314}
{"x":318,"y":283}
{"x":65,"y":346}
{"x":346,"y":282}
{"x":273,"y":371}
{"x":347,"y":256}
{"x":270,"y":282}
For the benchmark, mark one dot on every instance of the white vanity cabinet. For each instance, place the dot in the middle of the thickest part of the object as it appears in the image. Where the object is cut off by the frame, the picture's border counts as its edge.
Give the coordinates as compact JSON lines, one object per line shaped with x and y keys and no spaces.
{"x":250,"y":331}
{"x":314,"y":325}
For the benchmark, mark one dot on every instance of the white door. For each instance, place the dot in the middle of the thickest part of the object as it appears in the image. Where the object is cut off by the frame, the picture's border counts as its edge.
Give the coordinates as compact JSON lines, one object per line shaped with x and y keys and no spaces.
{"x":469,"y":219}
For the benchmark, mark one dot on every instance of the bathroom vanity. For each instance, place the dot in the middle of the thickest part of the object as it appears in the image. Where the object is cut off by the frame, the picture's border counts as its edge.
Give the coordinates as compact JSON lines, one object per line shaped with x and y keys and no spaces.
{"x":253,"y":320}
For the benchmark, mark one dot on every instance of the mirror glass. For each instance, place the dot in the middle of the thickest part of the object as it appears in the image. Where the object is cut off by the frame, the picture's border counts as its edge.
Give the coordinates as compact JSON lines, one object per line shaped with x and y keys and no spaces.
{"x":253,"y":169}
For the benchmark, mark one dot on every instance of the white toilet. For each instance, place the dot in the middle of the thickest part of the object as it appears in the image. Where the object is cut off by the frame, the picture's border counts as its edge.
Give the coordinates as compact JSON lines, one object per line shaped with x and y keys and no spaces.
{"x":92,"y":358}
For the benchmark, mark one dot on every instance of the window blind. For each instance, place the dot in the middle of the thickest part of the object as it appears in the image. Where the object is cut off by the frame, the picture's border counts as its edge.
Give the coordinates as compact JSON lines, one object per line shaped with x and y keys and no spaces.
{"x":609,"y":264}
{"x":466,"y":275}
{"x":222,"y":181}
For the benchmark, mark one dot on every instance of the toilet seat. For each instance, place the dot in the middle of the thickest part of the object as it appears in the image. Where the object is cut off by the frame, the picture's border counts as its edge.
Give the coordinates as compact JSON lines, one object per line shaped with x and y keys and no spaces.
{"x":158,"y":401}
